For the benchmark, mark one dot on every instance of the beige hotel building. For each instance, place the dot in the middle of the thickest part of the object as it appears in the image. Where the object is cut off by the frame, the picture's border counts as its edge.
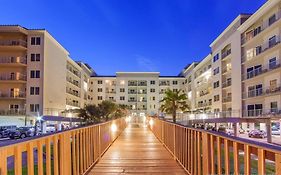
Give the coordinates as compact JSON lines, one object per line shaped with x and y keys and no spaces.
{"x":239,"y":78}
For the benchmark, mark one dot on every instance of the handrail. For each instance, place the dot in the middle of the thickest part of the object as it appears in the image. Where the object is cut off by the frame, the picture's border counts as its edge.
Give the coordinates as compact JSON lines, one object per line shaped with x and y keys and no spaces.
{"x":69,"y":152}
{"x":200,"y":151}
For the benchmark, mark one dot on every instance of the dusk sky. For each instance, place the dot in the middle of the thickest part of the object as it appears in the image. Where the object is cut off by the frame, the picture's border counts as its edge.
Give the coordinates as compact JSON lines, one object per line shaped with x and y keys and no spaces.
{"x":130,"y":35}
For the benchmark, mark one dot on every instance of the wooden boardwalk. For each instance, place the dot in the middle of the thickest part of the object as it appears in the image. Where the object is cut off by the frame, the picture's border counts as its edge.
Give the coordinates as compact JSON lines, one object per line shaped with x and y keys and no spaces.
{"x":137,"y":151}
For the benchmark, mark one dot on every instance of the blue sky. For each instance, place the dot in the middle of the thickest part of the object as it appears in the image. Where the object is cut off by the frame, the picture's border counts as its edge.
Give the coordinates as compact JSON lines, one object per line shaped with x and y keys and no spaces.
{"x":130,"y":35}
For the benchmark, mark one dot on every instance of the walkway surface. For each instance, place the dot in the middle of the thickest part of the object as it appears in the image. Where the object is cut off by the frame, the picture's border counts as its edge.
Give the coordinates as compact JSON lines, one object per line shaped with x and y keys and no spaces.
{"x":137,"y":151}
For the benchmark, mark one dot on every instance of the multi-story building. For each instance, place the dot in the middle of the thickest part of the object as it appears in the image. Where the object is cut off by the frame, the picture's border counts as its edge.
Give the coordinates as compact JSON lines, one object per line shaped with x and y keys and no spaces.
{"x":261,"y":52}
{"x":141,"y":91}
{"x":37,"y":76}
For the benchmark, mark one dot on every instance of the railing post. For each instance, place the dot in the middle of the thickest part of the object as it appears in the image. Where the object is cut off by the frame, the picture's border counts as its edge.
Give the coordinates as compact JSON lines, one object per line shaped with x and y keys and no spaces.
{"x":99,"y":142}
{"x":205,"y":153}
{"x":174,"y":141}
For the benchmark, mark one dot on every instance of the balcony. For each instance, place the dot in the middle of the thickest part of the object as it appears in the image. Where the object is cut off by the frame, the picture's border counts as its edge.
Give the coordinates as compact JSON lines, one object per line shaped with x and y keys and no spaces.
{"x":227,"y":83}
{"x":254,"y":33}
{"x":73,"y":82}
{"x":13,"y":112}
{"x":71,"y":103}
{"x":142,"y":101}
{"x":12,"y":96}
{"x":111,"y":91}
{"x":258,"y":51}
{"x":142,"y":92}
{"x":164,"y":83}
{"x":227,"y":99}
{"x":226,"y":69}
{"x":260,"y":71}
{"x":262,"y":92}
{"x":225,"y":54}
{"x":202,"y":105}
{"x":73,"y":71}
{"x":13,"y":78}
{"x":132,"y":100}
{"x":13,"y":44}
{"x":132,"y":92}
{"x":13,"y":61}
{"x":142,"y":84}
{"x":73,"y":92}
{"x":132,"y":84}
{"x":203,"y":93}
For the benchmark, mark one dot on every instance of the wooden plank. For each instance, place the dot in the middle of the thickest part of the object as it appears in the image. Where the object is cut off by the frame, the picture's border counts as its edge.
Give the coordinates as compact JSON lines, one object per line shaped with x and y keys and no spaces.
{"x":3,"y":162}
{"x":205,"y":153}
{"x":18,"y":160}
{"x":226,"y":156}
{"x":277,"y":163}
{"x":138,"y":151}
{"x":236,"y":158}
{"x":48,"y":156}
{"x":30,"y":159}
{"x":198,"y":153}
{"x":261,"y":162}
{"x":56,"y":155}
{"x":219,"y":155}
{"x":212,"y":153}
{"x":247,"y":160}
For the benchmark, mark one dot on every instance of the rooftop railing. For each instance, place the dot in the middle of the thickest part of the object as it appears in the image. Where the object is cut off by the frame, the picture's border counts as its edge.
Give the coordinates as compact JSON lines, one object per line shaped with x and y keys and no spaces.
{"x":69,"y":152}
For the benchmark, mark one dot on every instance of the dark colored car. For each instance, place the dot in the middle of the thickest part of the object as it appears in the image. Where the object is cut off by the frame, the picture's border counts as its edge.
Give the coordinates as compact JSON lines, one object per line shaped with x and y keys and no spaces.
{"x":5,"y":130}
{"x":256,"y":133}
{"x":22,"y":132}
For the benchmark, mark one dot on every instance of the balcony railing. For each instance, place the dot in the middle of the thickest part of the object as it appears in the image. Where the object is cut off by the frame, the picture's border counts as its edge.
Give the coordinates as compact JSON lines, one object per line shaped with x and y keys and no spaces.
{"x":12,"y":112}
{"x":260,"y":71}
{"x":142,"y":84}
{"x":264,"y":47}
{"x":143,"y":92}
{"x":227,"y":99}
{"x":261,"y":112}
{"x":225,"y":53}
{"x":132,"y":92}
{"x":13,"y":60}
{"x":13,"y":77}
{"x":132,"y":84}
{"x":201,"y":105}
{"x":226,"y":69}
{"x":71,"y":103}
{"x":68,"y":152}
{"x":73,"y":92}
{"x":226,"y":83}
{"x":16,"y":42}
{"x":164,"y":84}
{"x":265,"y":25}
{"x":74,"y":82}
{"x":75,"y":72}
{"x":203,"y":93}
{"x":204,"y":152}
{"x":262,"y":91}
{"x":132,"y":100}
{"x":12,"y":95}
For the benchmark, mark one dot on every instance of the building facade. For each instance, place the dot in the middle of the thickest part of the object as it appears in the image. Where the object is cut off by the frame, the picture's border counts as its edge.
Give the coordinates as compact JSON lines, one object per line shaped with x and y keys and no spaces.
{"x":37,"y":76}
{"x":140,"y":91}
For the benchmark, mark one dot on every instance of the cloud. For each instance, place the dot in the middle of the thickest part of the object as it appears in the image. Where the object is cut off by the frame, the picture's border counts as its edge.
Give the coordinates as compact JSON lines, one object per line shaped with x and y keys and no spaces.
{"x":145,"y":64}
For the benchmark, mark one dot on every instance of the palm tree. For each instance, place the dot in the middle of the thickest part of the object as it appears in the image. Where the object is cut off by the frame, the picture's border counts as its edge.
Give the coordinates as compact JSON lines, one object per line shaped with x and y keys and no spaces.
{"x":121,"y":111}
{"x":90,"y":114}
{"x":174,"y":101}
{"x":107,"y":108}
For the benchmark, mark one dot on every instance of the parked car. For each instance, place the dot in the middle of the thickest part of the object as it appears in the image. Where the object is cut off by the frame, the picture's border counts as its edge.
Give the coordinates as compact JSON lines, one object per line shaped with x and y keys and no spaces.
{"x":222,"y":128}
{"x":5,"y":130}
{"x":275,"y":131}
{"x":22,"y":132}
{"x":50,"y":128}
{"x":257,"y":133}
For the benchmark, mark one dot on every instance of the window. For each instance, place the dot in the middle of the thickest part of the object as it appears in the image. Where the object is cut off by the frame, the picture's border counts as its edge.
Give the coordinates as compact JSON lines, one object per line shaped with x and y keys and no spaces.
{"x":34,"y":107}
{"x":122,"y":98}
{"x":35,"y":57}
{"x":272,"y":63}
{"x":99,"y":97}
{"x":216,"y":97}
{"x":153,"y":98}
{"x":152,"y":90}
{"x":99,"y":89}
{"x":216,"y":71}
{"x":122,"y":89}
{"x":35,"y":40}
{"x":35,"y":74}
{"x":272,"y":41}
{"x":34,"y":90}
{"x":175,"y":82}
{"x":175,"y":90}
{"x":111,"y":98}
{"x":257,"y":30}
{"x":258,"y":50}
{"x":216,"y":84}
{"x":152,"y":82}
{"x":271,"y":19}
{"x":216,"y":57}
{"x":273,"y":107}
{"x":99,"y":81}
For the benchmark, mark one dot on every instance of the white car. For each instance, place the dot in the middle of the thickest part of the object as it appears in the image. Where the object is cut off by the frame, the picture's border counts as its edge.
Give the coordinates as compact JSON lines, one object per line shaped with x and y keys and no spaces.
{"x":275,"y":131}
{"x":50,"y":128}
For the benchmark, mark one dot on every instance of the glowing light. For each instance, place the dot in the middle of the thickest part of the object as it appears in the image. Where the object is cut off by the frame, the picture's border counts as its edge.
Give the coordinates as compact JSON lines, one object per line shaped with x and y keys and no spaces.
{"x":122,"y":82}
{"x":128,"y":119}
{"x":113,"y":127}
{"x":106,"y":81}
{"x":39,"y":118}
{"x":151,"y":122}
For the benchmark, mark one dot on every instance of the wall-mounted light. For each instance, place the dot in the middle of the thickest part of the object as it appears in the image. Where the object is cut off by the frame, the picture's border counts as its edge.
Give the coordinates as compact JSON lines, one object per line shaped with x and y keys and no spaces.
{"x":151,"y":122}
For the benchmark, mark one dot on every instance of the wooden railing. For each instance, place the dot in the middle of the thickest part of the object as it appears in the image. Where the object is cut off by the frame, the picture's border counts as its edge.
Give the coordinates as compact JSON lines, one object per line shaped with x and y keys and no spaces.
{"x":69,"y":152}
{"x":206,"y":152}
